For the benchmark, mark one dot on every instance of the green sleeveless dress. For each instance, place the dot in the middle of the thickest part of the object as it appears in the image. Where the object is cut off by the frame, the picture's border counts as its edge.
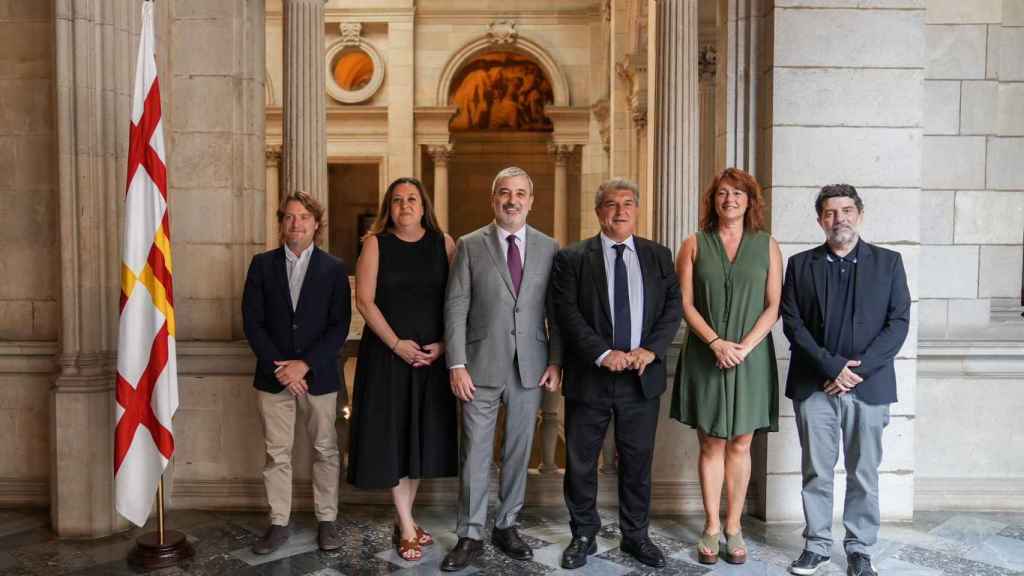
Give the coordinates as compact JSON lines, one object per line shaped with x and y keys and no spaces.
{"x":730,"y":298}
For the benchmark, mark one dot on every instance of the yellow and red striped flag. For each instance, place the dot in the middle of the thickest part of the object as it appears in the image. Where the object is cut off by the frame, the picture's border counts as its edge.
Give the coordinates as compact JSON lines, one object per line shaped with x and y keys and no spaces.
{"x":147,"y":376}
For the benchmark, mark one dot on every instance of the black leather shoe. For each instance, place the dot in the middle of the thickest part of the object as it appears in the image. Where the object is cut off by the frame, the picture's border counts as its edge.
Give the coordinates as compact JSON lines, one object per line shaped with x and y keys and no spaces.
{"x":808,"y":563}
{"x":859,"y":564}
{"x":465,"y":552}
{"x":272,"y":540}
{"x":644,"y":551}
{"x":576,"y":554}
{"x":508,"y":541}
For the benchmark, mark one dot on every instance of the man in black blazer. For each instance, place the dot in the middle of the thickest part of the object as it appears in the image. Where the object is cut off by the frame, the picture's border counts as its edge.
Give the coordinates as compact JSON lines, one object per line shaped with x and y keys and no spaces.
{"x":846,"y":312}
{"x":618,"y":308}
{"x":296,"y":310}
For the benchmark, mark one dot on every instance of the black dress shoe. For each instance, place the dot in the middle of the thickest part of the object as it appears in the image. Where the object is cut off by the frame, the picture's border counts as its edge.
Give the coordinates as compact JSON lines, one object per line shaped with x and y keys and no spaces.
{"x":465,"y":552}
{"x":508,"y":541}
{"x":644,"y":551}
{"x":576,"y":554}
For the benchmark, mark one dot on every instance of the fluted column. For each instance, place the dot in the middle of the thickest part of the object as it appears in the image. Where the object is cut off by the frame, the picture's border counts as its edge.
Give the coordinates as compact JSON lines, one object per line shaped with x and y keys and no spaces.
{"x":94,"y":47}
{"x":677,"y":133}
{"x":562,"y":153}
{"x":305,"y":140}
{"x":708,"y":66}
{"x":273,"y":155}
{"x":440,"y":154}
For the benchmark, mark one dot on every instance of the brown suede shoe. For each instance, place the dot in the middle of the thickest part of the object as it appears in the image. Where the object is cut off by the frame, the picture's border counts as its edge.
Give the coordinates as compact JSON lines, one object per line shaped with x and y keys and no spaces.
{"x":328,"y":538}
{"x":272,"y":540}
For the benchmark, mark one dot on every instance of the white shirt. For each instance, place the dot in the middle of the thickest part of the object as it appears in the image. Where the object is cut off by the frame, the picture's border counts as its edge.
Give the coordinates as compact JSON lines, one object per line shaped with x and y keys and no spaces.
{"x":296,"y":267}
{"x":520,"y":242}
{"x":636,"y":288}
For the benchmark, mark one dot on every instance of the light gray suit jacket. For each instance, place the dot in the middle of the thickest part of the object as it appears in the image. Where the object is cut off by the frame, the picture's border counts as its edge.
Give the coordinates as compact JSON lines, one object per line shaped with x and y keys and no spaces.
{"x":486,"y":327}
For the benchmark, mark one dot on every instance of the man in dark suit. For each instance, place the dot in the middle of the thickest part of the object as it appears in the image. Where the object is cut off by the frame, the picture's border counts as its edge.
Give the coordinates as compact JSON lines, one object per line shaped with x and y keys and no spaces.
{"x":618,"y":308}
{"x":846,"y":312}
{"x":296,"y":310}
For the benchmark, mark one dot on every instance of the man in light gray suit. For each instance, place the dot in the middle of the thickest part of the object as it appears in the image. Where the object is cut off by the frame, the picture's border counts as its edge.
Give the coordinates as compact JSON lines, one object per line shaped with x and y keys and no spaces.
{"x":499,"y":350}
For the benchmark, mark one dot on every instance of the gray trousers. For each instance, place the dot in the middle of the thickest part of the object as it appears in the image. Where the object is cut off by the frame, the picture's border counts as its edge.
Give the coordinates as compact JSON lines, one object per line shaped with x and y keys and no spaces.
{"x":820,"y":419}
{"x":479,"y":417}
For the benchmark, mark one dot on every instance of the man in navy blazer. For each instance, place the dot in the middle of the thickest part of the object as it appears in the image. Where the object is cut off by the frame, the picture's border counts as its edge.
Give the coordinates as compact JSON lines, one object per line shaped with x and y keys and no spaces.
{"x":846,"y":312}
{"x":296,"y":310}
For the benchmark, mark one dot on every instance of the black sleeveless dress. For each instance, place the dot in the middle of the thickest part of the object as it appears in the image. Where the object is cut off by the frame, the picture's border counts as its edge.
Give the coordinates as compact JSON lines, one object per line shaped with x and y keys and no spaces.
{"x":403,"y":418}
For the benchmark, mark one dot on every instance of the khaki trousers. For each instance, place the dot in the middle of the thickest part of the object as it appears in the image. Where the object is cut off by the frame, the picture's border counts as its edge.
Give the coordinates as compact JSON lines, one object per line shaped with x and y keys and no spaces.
{"x":278,"y":414}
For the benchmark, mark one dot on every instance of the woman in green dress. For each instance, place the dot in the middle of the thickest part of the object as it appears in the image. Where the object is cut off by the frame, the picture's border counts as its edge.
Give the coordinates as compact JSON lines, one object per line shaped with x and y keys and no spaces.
{"x":726,"y":383}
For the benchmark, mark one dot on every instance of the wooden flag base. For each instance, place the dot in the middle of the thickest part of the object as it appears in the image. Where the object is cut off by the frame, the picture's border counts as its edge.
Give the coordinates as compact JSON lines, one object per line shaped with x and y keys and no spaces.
{"x":149,"y":553}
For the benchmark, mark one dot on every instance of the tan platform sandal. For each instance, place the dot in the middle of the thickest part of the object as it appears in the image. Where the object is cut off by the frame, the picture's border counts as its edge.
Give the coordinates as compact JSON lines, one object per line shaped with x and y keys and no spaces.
{"x":735,"y":548}
{"x":708,"y":542}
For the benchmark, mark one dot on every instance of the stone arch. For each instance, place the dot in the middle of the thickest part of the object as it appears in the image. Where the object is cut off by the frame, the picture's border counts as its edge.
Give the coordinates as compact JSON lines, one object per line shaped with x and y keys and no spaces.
{"x":491,"y":41}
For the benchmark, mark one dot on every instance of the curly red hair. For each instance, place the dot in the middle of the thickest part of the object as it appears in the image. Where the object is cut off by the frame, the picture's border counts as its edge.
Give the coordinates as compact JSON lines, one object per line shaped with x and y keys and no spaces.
{"x":753,"y":219}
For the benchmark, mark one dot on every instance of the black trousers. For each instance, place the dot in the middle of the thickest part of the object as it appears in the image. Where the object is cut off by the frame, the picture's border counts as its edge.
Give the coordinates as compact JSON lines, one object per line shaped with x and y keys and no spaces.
{"x":586,"y":424}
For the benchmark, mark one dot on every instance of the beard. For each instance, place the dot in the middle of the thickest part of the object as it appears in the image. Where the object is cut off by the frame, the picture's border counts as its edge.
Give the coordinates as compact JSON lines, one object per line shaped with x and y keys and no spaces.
{"x":842,"y":235}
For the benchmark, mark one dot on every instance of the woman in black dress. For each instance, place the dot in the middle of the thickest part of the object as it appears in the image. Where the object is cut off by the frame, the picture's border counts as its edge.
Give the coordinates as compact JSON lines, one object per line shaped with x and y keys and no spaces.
{"x":404,"y":425}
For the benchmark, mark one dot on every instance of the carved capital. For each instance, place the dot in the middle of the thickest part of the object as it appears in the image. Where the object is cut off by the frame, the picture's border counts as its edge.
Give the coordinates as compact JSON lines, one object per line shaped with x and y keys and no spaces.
{"x":606,"y":10}
{"x":440,"y":153}
{"x":632,"y":69}
{"x":708,"y":62}
{"x":502,"y":32}
{"x":561,"y":152}
{"x":351,"y":33}
{"x":273,"y":154}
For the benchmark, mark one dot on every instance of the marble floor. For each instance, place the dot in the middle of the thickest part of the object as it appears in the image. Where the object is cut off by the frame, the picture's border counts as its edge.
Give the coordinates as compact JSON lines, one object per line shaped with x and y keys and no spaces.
{"x":936,"y":543}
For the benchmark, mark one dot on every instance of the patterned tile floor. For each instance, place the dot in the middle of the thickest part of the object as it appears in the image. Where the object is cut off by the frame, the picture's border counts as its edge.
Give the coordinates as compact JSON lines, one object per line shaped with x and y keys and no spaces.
{"x":936,"y":543}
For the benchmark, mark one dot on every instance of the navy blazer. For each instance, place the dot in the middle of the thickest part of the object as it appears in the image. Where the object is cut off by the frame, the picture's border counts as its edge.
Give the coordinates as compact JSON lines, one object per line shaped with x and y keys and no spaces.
{"x":314,"y":332}
{"x":584,"y":316}
{"x":881,"y":320}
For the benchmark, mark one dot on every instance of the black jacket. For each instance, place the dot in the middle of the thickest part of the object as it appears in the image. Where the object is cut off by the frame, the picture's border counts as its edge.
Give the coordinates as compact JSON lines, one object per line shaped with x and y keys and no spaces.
{"x":584,"y":316}
{"x":881,"y":320}
{"x":314,"y":332}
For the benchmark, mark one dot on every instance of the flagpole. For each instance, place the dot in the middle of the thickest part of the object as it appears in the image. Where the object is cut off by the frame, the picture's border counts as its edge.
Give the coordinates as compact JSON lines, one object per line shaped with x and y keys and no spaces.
{"x":160,"y":508}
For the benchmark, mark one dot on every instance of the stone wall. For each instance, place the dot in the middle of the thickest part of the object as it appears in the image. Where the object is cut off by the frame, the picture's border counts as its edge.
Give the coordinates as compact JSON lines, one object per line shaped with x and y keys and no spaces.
{"x":972,"y":222}
{"x":30,"y":258}
{"x":846,"y":107}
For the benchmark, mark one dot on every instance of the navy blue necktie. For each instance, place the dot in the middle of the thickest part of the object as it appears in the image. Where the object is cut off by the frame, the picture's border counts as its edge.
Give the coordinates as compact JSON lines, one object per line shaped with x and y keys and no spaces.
{"x":621,"y":338}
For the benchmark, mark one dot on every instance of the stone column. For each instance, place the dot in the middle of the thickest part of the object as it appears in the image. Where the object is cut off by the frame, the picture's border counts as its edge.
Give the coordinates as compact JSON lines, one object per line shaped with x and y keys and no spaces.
{"x":562,"y":153}
{"x":440,"y":155}
{"x":305,"y":138}
{"x":95,"y":48}
{"x":273,"y":155}
{"x":677,"y":131}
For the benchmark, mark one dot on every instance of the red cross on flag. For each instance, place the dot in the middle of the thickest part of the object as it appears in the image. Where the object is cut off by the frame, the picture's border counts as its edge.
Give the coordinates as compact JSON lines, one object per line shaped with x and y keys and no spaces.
{"x":147,"y":377}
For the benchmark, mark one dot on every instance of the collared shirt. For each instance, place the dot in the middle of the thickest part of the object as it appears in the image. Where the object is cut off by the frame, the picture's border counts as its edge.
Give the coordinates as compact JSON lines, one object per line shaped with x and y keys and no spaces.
{"x":840,"y":281}
{"x":636,"y":288}
{"x":296,"y":267}
{"x":520,"y":242}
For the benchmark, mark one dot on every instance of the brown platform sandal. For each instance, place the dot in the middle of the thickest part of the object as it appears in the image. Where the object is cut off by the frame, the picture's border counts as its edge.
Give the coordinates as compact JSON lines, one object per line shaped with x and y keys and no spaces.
{"x":735,"y":548}
{"x":424,"y":537}
{"x":708,"y":542}
{"x":409,"y":550}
